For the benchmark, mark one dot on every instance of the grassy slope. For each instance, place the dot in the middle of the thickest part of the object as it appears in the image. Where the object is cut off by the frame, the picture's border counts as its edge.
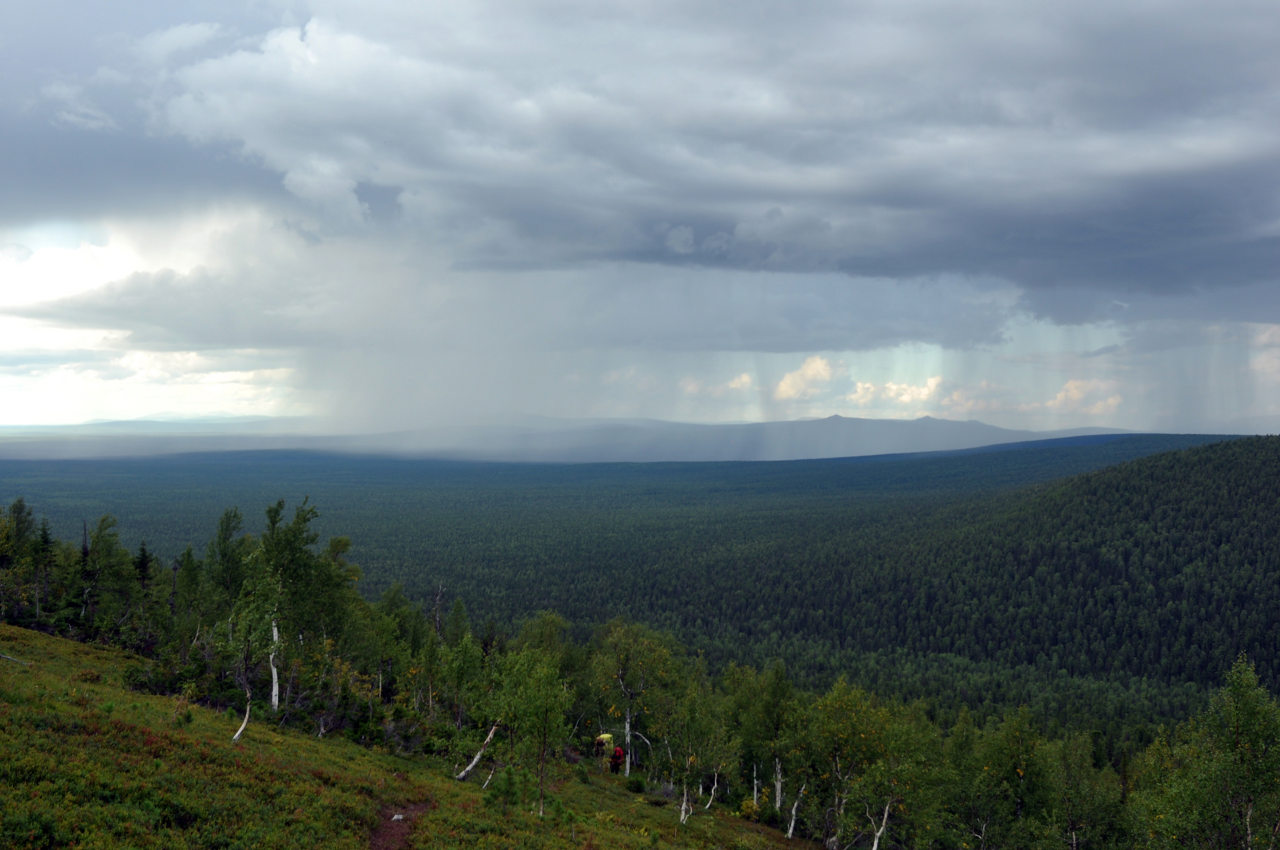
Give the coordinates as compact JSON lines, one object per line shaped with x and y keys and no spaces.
{"x":86,"y":762}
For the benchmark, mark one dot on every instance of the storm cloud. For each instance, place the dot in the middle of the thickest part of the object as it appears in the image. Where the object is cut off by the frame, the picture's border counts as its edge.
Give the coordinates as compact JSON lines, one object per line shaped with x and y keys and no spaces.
{"x":568,"y":207}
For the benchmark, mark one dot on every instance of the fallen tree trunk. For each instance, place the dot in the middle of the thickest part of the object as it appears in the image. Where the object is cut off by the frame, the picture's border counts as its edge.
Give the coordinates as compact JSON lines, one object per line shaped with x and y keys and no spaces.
{"x":466,"y":771}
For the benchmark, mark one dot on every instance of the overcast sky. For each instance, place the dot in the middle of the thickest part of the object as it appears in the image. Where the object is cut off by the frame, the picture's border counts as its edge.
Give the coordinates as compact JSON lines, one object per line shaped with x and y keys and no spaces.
{"x":388,"y":214}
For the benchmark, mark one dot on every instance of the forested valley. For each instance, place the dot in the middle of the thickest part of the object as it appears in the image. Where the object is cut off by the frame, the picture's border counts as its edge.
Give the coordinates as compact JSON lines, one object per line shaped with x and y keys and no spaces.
{"x":970,"y":653}
{"x":980,"y":579}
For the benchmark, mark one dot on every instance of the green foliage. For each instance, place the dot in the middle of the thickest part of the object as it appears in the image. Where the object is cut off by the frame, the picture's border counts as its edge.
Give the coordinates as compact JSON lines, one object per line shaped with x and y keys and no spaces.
{"x":504,"y":792}
{"x":1214,"y":783}
{"x":848,"y":764}
{"x":1082,"y":804}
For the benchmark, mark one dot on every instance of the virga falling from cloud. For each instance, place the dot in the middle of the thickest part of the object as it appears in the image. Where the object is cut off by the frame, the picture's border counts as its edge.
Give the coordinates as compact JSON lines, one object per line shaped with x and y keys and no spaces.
{"x":457,"y":212}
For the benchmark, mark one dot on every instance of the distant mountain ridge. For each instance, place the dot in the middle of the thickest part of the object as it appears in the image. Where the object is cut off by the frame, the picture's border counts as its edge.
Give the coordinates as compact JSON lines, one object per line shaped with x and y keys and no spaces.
{"x":803,"y":439}
{"x":541,"y":440}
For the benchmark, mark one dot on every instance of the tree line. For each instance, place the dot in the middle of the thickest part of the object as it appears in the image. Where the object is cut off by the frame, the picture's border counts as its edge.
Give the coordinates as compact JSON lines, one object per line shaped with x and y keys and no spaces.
{"x":269,"y":625}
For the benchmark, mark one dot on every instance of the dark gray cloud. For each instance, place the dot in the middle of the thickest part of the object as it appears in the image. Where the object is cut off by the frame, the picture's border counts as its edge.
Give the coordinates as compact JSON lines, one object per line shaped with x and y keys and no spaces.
{"x":75,"y":130}
{"x":491,"y":189}
{"x":58,"y":173}
{"x":340,"y":303}
{"x":169,"y":312}
{"x":1110,"y":147}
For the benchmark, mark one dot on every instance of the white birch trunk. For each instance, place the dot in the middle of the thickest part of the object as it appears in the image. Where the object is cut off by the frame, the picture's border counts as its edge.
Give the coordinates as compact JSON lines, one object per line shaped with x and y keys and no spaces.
{"x":837,"y":807}
{"x":245,"y":722}
{"x":715,"y":784}
{"x":466,"y":771}
{"x":884,"y":823}
{"x":626,"y":736}
{"x":791,"y":827}
{"x":777,"y":785}
{"x":755,"y":787}
{"x":271,"y":660}
{"x":685,"y":807}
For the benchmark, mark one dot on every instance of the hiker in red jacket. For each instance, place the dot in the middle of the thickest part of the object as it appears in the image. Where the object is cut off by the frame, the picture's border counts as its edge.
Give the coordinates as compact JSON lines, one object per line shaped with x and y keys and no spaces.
{"x":615,"y":760}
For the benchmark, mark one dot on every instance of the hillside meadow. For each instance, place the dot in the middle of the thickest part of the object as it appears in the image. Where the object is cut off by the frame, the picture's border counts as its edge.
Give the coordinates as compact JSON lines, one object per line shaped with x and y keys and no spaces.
{"x":87,"y":762}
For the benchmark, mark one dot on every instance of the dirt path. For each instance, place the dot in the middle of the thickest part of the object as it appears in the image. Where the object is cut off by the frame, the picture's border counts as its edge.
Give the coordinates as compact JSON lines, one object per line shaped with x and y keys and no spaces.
{"x":396,"y":826}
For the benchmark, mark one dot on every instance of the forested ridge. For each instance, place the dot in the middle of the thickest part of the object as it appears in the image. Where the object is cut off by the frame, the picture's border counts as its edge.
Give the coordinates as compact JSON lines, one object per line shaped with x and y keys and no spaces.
{"x":1165,"y":567}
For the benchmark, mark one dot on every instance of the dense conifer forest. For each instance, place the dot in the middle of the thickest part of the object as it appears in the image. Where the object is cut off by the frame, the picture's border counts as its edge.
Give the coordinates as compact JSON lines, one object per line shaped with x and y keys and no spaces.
{"x":880,"y":658}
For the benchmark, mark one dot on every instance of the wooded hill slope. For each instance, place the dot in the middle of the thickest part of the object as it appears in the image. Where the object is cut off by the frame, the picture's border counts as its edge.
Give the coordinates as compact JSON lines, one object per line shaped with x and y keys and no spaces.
{"x":88,"y":762}
{"x":967,"y":578}
{"x":1167,"y":567}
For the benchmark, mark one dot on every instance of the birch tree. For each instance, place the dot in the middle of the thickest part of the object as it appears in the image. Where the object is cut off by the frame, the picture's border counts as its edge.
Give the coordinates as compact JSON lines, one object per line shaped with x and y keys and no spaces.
{"x":1001,"y":791}
{"x":1215,"y":784}
{"x":896,"y":798}
{"x":631,"y":664}
{"x":254,"y":630}
{"x":838,"y":750}
{"x":693,"y":738}
{"x":1084,"y":802}
{"x":762,"y":708}
{"x":535,"y":704}
{"x":462,"y":667}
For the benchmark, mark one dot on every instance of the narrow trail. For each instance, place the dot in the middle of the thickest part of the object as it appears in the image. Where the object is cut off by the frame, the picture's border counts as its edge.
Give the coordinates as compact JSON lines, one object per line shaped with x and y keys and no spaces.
{"x":395,"y":825}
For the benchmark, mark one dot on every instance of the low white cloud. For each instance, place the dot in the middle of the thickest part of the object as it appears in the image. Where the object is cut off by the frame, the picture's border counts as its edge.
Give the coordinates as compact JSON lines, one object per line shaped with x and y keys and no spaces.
{"x":1088,"y":396}
{"x":742,"y":382}
{"x":13,"y":252}
{"x":909,"y":393}
{"x":810,"y":378}
{"x":866,"y":392}
{"x":54,"y":263}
